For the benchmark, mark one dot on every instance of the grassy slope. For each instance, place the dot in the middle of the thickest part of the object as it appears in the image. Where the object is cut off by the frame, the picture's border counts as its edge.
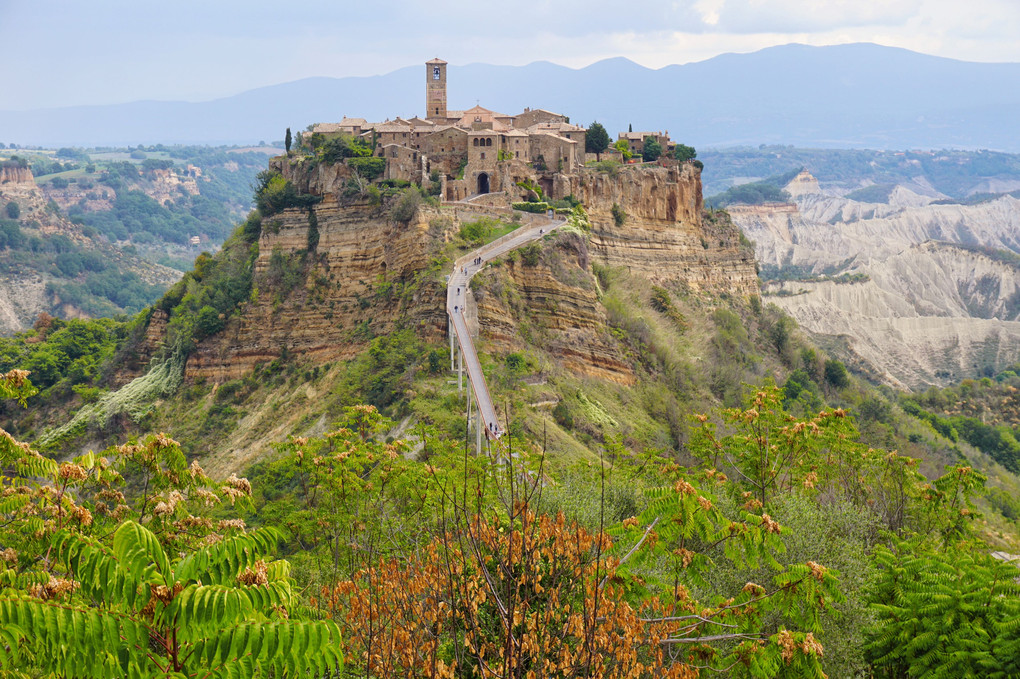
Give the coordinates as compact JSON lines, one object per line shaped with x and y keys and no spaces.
{"x":694,"y":358}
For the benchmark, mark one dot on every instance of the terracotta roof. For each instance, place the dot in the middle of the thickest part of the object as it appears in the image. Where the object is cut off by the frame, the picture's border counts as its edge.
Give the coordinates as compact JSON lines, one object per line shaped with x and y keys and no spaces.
{"x":393,"y":126}
{"x":324,"y":128}
{"x":437,"y":60}
{"x":352,"y":121}
{"x":444,"y":128}
{"x":556,"y":127}
{"x":542,"y":110}
{"x":639,"y":135}
{"x":556,"y":136}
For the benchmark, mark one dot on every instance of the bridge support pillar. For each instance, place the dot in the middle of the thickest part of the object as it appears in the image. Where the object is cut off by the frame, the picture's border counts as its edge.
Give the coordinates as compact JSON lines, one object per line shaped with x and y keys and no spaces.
{"x":460,"y":369}
{"x":449,"y":331}
{"x":479,"y":425}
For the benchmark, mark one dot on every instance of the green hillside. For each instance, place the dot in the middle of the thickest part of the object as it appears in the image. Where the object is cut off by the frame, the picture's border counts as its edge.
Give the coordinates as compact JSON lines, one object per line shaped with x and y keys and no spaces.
{"x":744,"y":504}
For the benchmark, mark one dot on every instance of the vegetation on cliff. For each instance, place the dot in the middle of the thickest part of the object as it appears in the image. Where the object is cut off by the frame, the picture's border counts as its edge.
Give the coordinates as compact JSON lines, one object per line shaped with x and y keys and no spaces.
{"x":686,"y":482}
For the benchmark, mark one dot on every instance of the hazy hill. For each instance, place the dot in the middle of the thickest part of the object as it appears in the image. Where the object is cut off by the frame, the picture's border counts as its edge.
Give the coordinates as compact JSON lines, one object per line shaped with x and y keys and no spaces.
{"x":847,"y":95}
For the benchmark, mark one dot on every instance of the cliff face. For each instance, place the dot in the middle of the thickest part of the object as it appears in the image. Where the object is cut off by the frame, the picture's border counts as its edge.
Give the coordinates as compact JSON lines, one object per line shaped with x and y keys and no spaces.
{"x":321,"y":305}
{"x":664,"y":235}
{"x":552,"y":305}
{"x":932,"y":312}
{"x":12,"y":175}
{"x":318,"y":179}
{"x":366,"y":274}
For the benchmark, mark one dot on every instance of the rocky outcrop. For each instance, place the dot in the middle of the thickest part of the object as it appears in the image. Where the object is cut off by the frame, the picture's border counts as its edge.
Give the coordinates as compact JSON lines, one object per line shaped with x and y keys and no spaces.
{"x":664,"y":235}
{"x":553,"y":305}
{"x":803,"y":184}
{"x":12,"y":174}
{"x":345,"y":290}
{"x":167,"y":185}
{"x":310,"y":176}
{"x":366,"y":273}
{"x":929,"y":307}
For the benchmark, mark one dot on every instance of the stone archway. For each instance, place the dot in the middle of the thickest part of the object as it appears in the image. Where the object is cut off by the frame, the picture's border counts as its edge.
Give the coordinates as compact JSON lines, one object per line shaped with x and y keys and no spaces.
{"x":483,"y":182}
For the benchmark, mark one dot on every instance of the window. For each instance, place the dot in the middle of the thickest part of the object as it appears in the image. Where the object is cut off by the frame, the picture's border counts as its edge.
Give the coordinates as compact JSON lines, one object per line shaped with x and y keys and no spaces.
{"x":475,"y":141}
{"x":483,"y":155}
{"x":435,"y":73}
{"x":488,"y":142}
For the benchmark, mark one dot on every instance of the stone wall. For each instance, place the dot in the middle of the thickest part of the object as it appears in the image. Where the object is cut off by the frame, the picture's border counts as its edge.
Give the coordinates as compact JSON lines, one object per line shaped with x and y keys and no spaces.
{"x":559,"y":153}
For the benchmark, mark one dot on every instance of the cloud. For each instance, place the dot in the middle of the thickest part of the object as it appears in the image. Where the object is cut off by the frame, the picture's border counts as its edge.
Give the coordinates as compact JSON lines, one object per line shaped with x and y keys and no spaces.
{"x":197,"y":49}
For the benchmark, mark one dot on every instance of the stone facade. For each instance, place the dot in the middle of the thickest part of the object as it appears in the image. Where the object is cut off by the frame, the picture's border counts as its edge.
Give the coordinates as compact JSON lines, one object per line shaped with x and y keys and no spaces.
{"x":636,"y":140}
{"x":475,"y":150}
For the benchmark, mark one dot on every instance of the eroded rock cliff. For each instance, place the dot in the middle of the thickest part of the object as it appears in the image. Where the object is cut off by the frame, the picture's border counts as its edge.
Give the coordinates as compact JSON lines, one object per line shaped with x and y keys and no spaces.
{"x":323,"y":304}
{"x":663,"y":234}
{"x":928,"y":307}
{"x":367,"y":273}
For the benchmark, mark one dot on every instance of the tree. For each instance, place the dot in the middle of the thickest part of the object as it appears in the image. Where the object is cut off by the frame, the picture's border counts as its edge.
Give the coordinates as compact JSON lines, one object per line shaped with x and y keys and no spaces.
{"x":652,"y":150}
{"x":683,"y":153}
{"x":836,"y":374}
{"x":287,"y":140}
{"x":13,"y":210}
{"x":128,"y":610}
{"x":86,"y":588}
{"x":596,"y":140}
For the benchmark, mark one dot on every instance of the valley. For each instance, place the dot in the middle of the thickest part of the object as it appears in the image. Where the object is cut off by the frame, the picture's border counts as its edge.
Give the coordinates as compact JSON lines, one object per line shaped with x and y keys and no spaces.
{"x":915,"y":290}
{"x":107,"y":233}
{"x":758,"y":430}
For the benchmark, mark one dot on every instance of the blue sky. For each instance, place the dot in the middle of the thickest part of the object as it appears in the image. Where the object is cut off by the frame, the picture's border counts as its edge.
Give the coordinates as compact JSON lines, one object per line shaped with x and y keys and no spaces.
{"x":68,"y":52}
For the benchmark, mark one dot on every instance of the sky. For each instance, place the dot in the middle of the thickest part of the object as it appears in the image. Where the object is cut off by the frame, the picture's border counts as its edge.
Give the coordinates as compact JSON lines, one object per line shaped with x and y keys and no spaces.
{"x":68,"y":52}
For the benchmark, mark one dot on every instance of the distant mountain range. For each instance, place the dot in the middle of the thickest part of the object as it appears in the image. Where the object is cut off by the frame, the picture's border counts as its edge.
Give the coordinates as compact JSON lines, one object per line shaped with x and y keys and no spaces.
{"x":858,"y":95}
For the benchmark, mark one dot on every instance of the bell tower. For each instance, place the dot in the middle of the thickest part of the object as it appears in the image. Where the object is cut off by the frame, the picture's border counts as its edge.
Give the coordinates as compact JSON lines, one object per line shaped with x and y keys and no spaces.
{"x":435,"y":89}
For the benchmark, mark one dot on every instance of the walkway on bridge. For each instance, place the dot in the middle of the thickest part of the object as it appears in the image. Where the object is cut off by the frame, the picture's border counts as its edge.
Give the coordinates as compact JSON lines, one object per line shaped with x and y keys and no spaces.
{"x":456,"y":300}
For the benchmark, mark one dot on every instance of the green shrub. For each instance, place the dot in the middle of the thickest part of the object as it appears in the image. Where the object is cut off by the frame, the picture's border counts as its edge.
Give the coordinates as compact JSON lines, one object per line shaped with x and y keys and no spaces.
{"x":561,"y":413}
{"x":479,"y":230}
{"x":536,"y":208}
{"x":13,"y":210}
{"x":836,"y":374}
{"x":619,"y":216}
{"x":530,"y":254}
{"x":406,"y":207}
{"x":369,"y":167}
{"x":683,"y":152}
{"x":609,"y":166}
{"x":336,"y":149}
{"x":651,"y":151}
{"x":274,"y":194}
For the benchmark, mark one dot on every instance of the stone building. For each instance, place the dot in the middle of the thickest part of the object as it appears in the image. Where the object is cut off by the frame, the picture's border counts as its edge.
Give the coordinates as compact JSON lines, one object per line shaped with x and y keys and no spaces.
{"x":476,"y":150}
{"x":636,"y":140}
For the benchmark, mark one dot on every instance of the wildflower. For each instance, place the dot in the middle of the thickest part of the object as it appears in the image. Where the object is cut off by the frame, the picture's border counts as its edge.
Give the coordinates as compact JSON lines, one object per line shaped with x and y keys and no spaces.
{"x":818,"y":571}
{"x":770,"y":525}
{"x":256,"y":574}
{"x":72,"y":472}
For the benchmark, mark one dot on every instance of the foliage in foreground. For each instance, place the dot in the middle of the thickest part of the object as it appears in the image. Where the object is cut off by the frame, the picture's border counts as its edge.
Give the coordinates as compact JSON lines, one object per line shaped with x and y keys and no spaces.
{"x":457,"y":566}
{"x":117,"y":569}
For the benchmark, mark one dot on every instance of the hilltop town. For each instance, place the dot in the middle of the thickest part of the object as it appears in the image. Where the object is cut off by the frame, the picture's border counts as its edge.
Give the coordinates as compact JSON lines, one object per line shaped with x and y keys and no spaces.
{"x":479,"y":151}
